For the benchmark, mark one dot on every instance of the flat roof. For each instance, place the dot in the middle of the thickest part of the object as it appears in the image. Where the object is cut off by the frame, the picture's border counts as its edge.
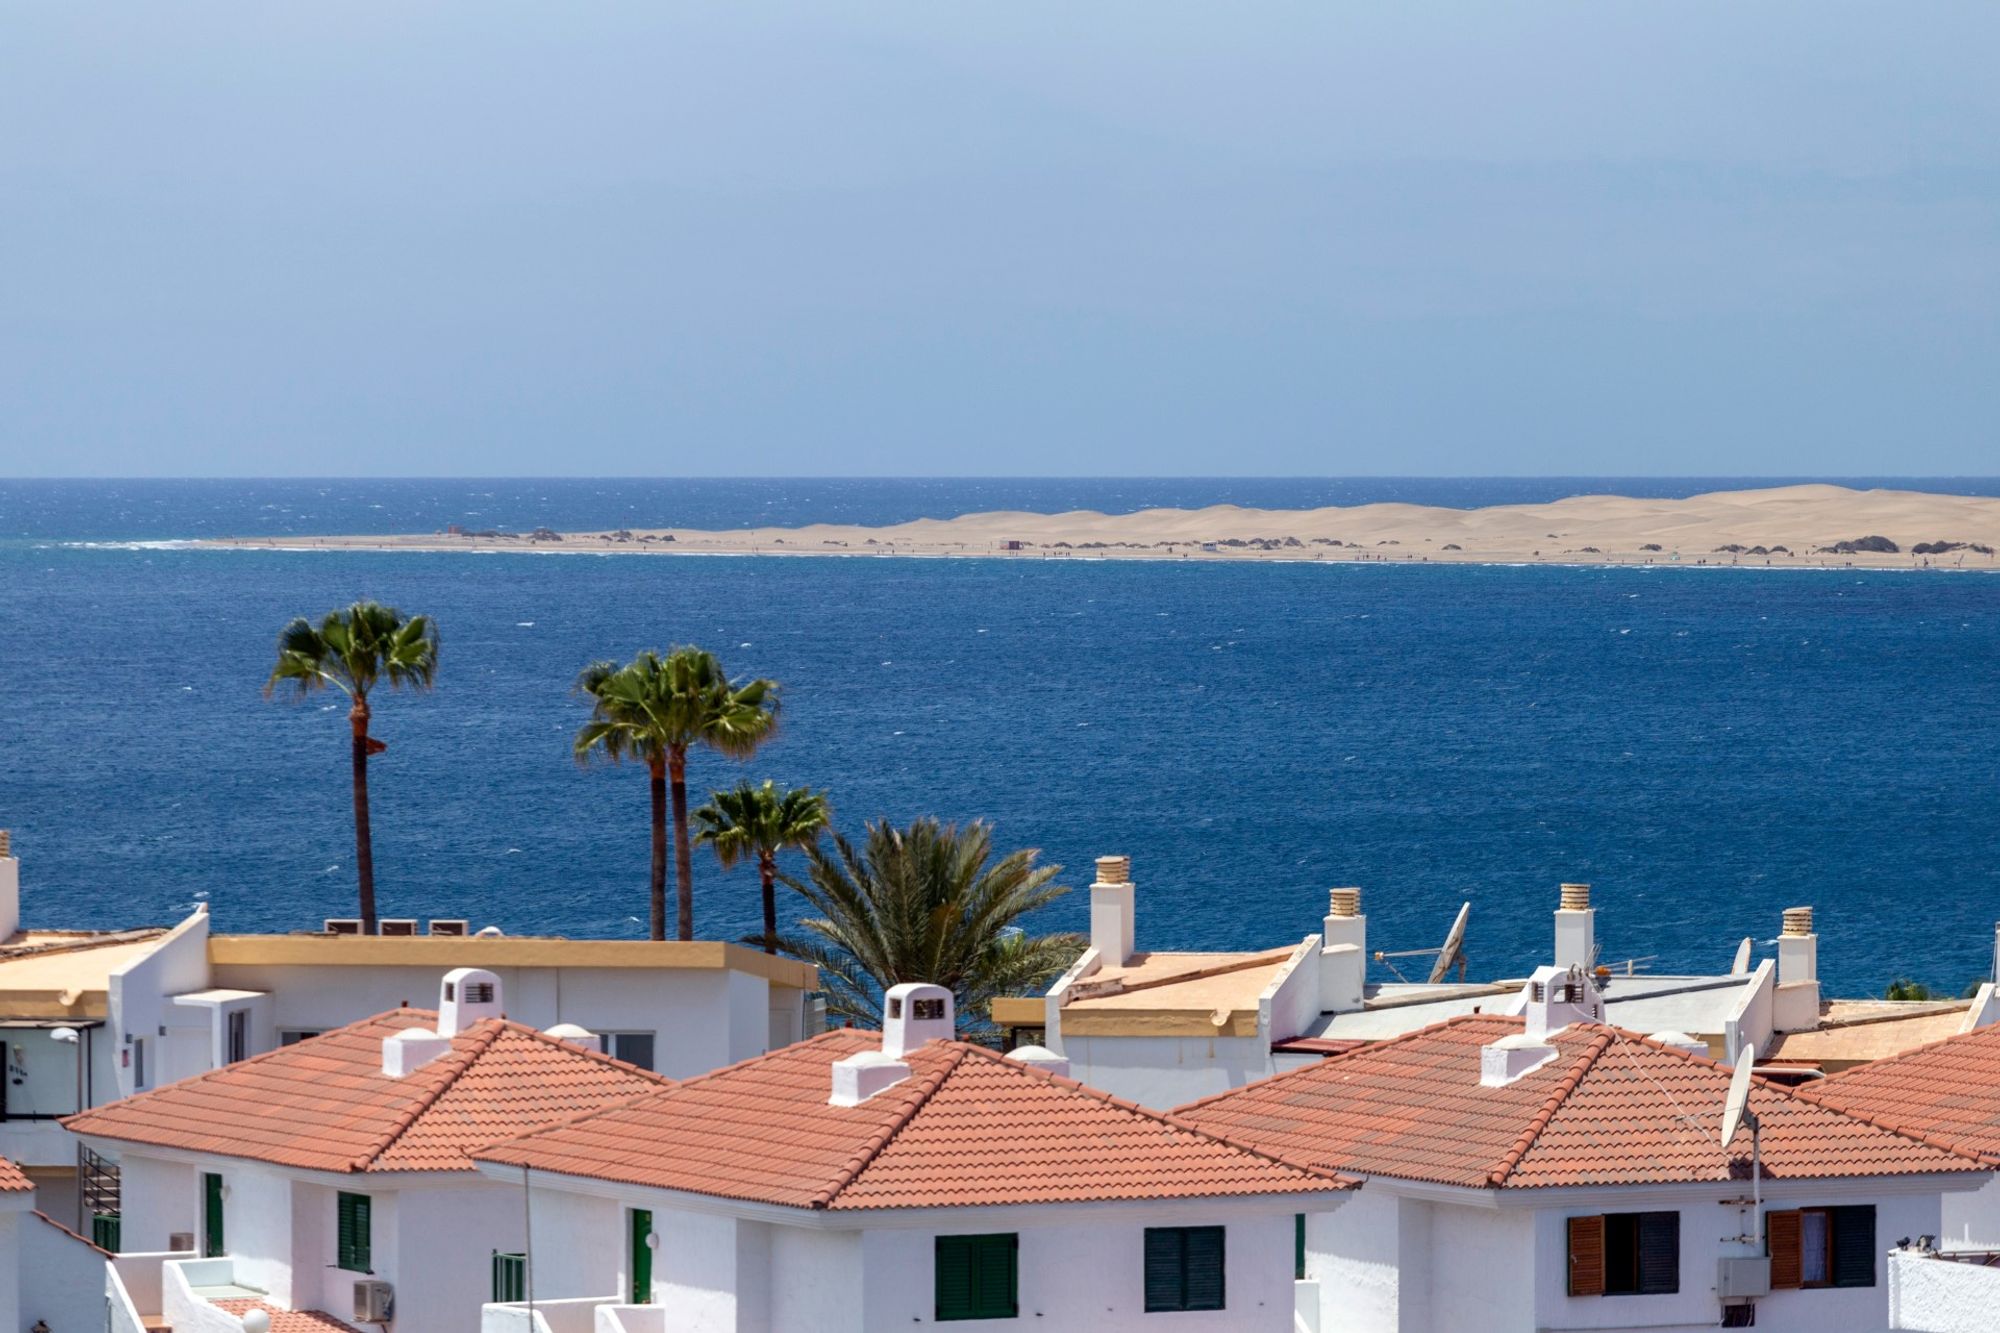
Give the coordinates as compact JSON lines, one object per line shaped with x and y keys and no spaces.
{"x":1854,"y":1032}
{"x":1171,"y":994}
{"x":1646,"y":1003}
{"x":449,"y":951}
{"x":66,"y":973}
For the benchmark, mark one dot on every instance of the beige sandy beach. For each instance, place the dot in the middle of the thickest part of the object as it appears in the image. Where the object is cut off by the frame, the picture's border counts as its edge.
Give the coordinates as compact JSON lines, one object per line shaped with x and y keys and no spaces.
{"x":1791,"y":526}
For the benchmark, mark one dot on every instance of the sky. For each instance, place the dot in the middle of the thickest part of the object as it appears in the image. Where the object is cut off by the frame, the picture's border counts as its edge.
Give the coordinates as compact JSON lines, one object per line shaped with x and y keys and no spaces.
{"x":881,"y":238}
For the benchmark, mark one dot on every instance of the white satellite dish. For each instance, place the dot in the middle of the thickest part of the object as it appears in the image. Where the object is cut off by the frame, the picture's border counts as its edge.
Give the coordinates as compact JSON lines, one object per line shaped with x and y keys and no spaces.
{"x":1741,"y":967}
{"x":1737,"y":1106}
{"x":1453,"y":952}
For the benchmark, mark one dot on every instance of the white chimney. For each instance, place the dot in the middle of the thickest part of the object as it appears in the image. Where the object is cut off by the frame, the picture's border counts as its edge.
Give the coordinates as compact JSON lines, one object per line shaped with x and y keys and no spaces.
{"x":1343,"y":955}
{"x":1556,"y":997}
{"x":1042,"y":1058}
{"x":913,"y":1014}
{"x":411,"y":1049}
{"x":469,"y":995}
{"x":1511,"y":1057}
{"x":10,"y":888}
{"x":863,"y":1074}
{"x":1795,"y":1006}
{"x":1576,"y":929}
{"x":1112,"y":928}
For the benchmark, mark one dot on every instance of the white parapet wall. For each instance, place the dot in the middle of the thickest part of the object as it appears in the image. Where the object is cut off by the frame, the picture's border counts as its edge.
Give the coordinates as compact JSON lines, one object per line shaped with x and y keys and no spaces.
{"x":1929,"y":1293}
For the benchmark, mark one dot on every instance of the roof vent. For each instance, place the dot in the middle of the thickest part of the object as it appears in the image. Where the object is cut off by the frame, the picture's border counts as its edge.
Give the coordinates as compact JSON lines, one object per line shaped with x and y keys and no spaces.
{"x":1343,"y":902}
{"x":863,"y":1074}
{"x":913,"y":1014}
{"x":1511,"y":1058}
{"x":469,"y":995}
{"x":405,"y":1052}
{"x":6,"y":842}
{"x":1798,"y":921}
{"x":1114,"y":870}
{"x":569,"y":1034}
{"x":1680,"y":1041}
{"x":1575,"y":898}
{"x":1042,"y":1058}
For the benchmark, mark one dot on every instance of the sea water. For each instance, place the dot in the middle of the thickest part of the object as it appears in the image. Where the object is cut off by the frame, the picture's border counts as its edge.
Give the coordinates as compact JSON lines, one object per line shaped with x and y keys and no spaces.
{"x":1706,"y":746}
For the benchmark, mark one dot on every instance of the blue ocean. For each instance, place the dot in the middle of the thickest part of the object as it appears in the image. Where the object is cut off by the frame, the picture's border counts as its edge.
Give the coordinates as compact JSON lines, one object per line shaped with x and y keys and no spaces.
{"x":1705,"y":745}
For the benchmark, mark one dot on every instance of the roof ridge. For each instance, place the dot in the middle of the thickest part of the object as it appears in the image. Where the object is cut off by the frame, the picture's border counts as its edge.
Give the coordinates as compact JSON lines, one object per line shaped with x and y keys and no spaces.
{"x":1550,"y":1105}
{"x":483,"y":1042}
{"x":1368,"y":1048}
{"x":1164,"y":1118}
{"x":79,"y":1239}
{"x":913,"y":1102}
{"x":584,"y":1052}
{"x":207,"y":1074}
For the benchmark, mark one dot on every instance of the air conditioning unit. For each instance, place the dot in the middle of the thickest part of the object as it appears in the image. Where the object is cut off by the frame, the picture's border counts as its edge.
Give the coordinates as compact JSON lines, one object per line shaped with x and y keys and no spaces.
{"x":181,"y":1242}
{"x":374,"y":1301}
{"x":450,"y":926}
{"x":397,"y":925}
{"x":343,"y":925}
{"x":1743,"y":1275}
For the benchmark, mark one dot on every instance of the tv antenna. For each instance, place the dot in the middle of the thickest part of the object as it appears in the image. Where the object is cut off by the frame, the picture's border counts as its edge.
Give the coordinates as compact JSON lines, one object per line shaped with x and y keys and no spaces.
{"x":1451,"y":955}
{"x":1736,"y":1113}
{"x":1741,"y":967}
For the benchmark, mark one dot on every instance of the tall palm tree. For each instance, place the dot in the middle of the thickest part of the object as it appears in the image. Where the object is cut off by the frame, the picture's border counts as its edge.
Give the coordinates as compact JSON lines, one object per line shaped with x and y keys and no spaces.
{"x":924,"y":904}
{"x":762,"y":821}
{"x":655,"y":709}
{"x":352,"y":650}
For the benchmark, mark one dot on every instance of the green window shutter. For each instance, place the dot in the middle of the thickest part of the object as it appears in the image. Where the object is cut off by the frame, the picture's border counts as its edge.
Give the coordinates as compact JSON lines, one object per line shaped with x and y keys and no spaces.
{"x":1204,"y":1269}
{"x":104,"y":1229}
{"x":1853,"y":1245}
{"x":354,"y":1233}
{"x":211,"y":1216}
{"x":510,"y":1277}
{"x":642,"y":1257}
{"x":1299,"y":1247}
{"x":1659,"y":1253}
{"x":977,"y":1277}
{"x":1184,"y":1269}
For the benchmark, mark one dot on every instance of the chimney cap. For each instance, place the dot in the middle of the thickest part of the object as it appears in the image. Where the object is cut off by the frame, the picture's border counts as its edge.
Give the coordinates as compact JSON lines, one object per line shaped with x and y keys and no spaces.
{"x":1114,"y":870}
{"x":1344,"y":902}
{"x":6,"y":842}
{"x":1576,"y":897}
{"x":1798,"y":921}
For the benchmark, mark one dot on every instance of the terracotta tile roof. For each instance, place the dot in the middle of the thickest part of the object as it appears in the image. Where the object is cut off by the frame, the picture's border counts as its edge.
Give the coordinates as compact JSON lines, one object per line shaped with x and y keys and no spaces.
{"x":325,"y":1104}
{"x":1948,"y":1092}
{"x":1612,"y":1108}
{"x":967,"y":1127}
{"x":11,"y":1179}
{"x":287,"y":1321}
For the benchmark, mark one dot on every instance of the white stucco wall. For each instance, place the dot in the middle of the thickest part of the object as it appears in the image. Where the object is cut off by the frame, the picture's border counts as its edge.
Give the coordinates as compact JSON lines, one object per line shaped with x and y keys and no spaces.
{"x":1969,"y":1221}
{"x":157,"y":1199}
{"x":817,"y":1280}
{"x":62,"y":1280}
{"x":1931,"y":1295}
{"x":138,"y":994}
{"x":1165,"y":1072}
{"x":446,"y":1237}
{"x":256,"y":1227}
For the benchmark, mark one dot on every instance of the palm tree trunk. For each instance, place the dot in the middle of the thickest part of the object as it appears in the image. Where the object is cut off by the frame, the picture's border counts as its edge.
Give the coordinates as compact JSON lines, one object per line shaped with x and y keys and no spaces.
{"x":659,"y":877}
{"x":767,"y":870}
{"x":683,"y":852}
{"x":364,"y":841}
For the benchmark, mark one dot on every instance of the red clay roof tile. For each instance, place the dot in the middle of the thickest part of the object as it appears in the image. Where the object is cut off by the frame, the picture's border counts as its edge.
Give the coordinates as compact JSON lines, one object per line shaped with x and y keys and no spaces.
{"x":967,"y":1127}
{"x":325,"y":1104}
{"x":1611,"y":1108}
{"x":12,"y":1181}
{"x":1947,"y":1092}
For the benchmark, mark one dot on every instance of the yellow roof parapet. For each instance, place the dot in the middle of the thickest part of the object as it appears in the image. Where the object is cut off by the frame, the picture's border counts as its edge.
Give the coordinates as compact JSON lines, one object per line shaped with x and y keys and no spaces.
{"x":448,"y":951}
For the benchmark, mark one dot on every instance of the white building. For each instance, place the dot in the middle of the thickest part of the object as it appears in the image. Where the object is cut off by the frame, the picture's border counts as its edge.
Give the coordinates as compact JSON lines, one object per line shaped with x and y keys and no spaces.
{"x":855,"y":1182}
{"x":1554,"y":1172}
{"x":334,"y":1173}
{"x":50,"y":1277}
{"x":1166,"y":1027}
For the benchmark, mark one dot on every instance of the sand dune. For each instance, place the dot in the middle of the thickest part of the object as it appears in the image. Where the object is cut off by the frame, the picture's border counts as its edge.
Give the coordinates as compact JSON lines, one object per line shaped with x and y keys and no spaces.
{"x":1809,"y":525}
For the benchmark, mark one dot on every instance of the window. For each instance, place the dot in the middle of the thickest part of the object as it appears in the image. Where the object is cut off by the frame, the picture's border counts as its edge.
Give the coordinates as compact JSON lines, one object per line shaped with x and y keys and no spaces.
{"x":1625,"y":1254}
{"x":510,"y":1277}
{"x":211,"y":1216}
{"x":354,"y":1234}
{"x":1183,"y":1268}
{"x":1822,"y":1247}
{"x":927,"y":1011}
{"x":138,"y":1064}
{"x":642,"y":1256}
{"x":293,"y":1036}
{"x":479,"y":992}
{"x":239,"y":1035}
{"x":977,"y":1277}
{"x":634,"y":1048}
{"x":1299,"y":1247}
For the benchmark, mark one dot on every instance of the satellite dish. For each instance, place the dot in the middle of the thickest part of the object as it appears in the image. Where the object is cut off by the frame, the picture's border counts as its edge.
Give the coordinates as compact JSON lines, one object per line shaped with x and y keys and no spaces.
{"x":1741,"y":967}
{"x":1737,"y":1107}
{"x":1453,"y":951}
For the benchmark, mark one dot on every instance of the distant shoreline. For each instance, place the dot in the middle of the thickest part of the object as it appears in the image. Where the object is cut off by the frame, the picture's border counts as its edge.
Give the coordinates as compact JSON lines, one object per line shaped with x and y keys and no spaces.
{"x":1791,"y":527}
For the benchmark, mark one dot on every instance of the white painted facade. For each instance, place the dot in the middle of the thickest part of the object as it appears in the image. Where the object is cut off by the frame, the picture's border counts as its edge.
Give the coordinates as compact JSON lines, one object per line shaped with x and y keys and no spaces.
{"x":719,"y":1268}
{"x":1929,"y":1293}
{"x":1405,"y":1258}
{"x":47,"y":1275}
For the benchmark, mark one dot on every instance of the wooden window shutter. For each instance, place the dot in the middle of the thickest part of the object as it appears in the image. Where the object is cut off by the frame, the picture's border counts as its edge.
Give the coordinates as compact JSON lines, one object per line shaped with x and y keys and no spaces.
{"x":1854,"y":1246}
{"x":996,"y":1275}
{"x":1781,"y":1242}
{"x":1586,"y":1256}
{"x":354,"y":1233}
{"x":1203,"y":1281}
{"x":1659,"y":1253}
{"x":1165,"y":1263}
{"x":976,"y":1277}
{"x":953,"y":1279}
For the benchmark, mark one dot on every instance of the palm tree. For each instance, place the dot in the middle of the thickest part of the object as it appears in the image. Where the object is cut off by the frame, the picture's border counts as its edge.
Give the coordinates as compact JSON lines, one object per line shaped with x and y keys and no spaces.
{"x":654,"y":709}
{"x":924,"y":904}
{"x":761,"y":822}
{"x":353,"y":650}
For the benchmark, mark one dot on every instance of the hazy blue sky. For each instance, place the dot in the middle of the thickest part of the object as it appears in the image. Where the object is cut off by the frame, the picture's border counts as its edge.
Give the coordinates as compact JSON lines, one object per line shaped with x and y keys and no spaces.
{"x":863,"y":237}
